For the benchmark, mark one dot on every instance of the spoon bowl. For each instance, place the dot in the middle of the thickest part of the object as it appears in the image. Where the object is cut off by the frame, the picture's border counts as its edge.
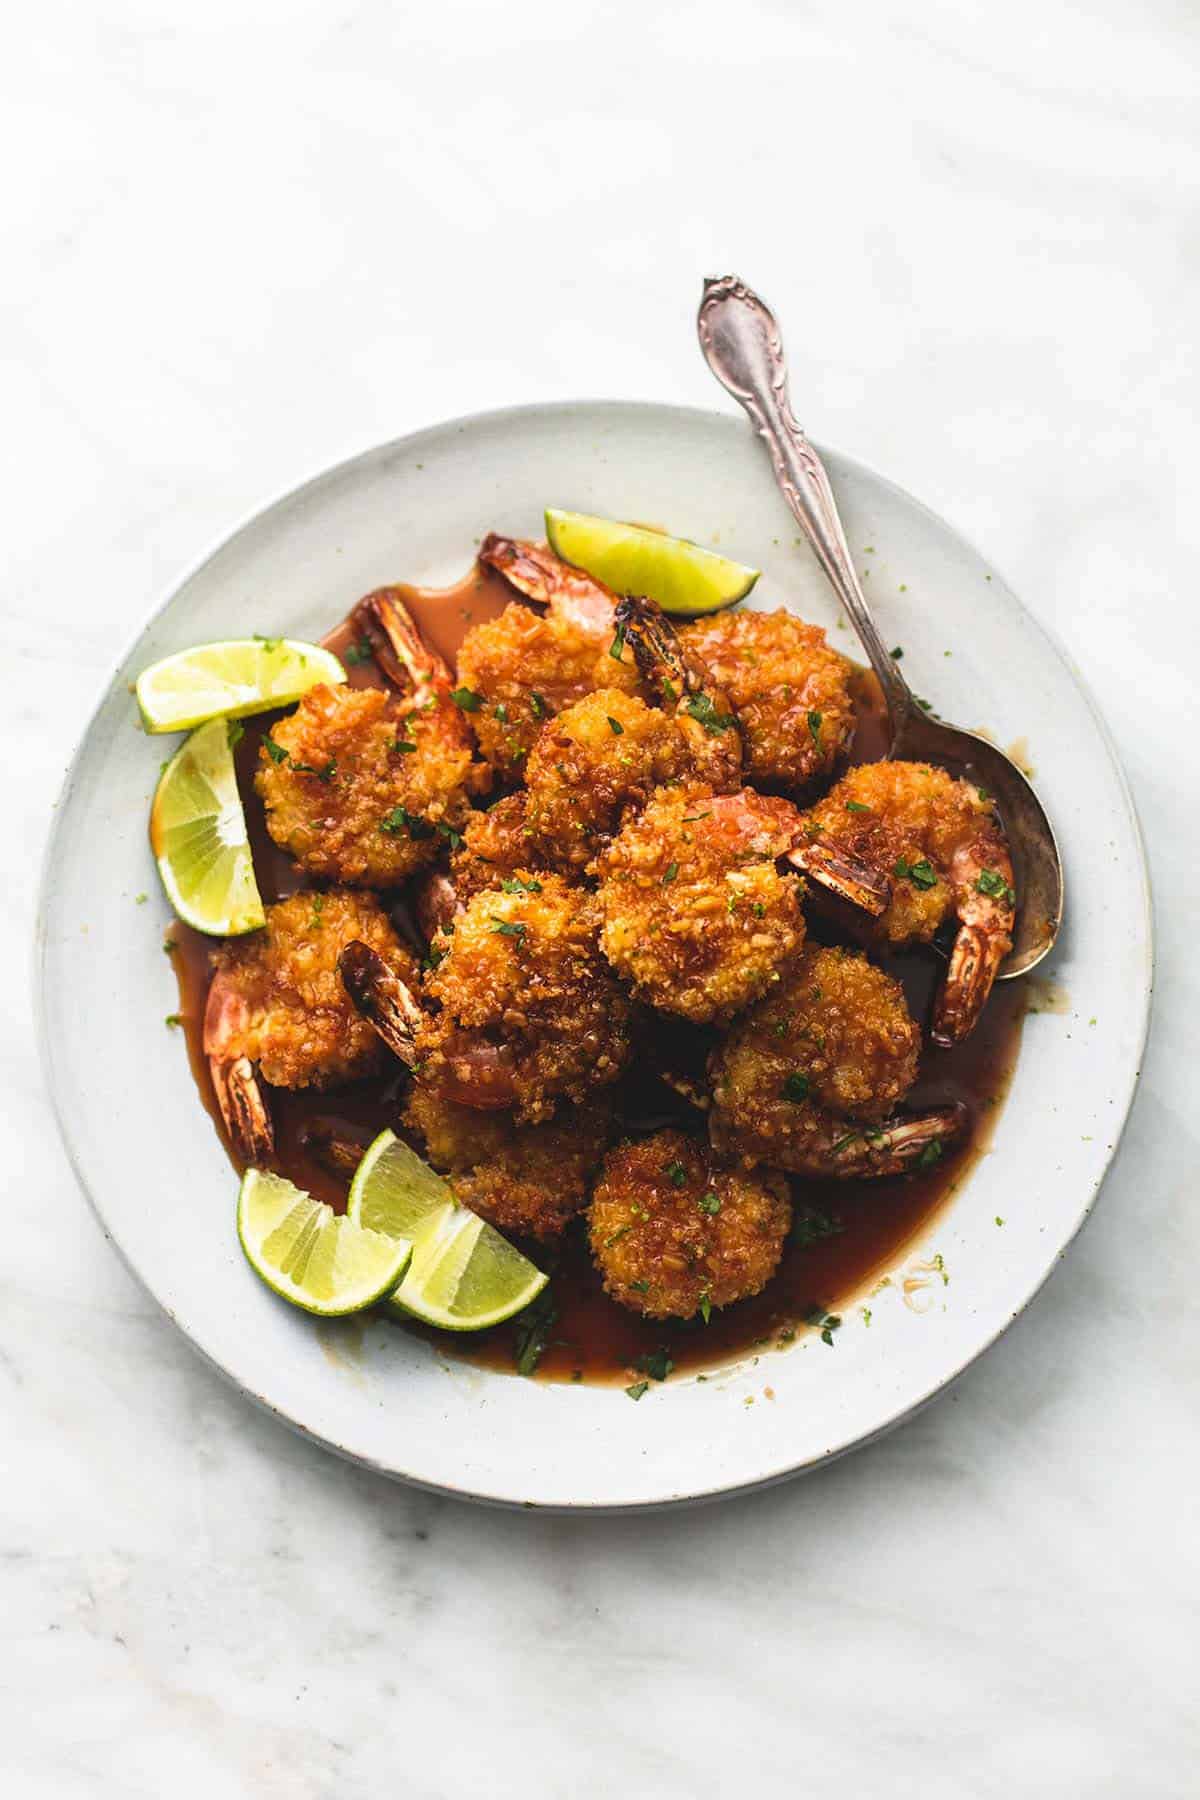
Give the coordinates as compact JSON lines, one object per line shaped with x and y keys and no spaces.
{"x":743,"y":348}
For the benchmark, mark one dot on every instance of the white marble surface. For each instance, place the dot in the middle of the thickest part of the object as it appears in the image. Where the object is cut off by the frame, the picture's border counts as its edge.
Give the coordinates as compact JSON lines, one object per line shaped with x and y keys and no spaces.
{"x":242,"y":240}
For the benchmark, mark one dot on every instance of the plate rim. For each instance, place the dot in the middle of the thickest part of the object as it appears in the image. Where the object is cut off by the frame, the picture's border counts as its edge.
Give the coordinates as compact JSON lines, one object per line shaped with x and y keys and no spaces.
{"x":167,"y":593}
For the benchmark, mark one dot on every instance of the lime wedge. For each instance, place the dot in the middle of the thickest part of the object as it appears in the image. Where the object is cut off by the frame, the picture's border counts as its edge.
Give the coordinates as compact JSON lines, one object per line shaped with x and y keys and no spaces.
{"x":198,"y":834}
{"x":311,"y":1256}
{"x":229,"y":680}
{"x":685,"y":580}
{"x":464,"y":1276}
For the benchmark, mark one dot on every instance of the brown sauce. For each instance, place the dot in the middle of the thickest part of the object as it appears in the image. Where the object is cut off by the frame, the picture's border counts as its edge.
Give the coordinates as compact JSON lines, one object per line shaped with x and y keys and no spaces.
{"x":847,"y":1233}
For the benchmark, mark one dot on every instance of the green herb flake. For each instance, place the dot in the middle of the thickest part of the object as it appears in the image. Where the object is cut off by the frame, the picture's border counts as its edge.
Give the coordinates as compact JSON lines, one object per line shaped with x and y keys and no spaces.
{"x":501,"y":713}
{"x":466,"y":699}
{"x":993,"y":884}
{"x":922,"y":874}
{"x":705,"y":1312}
{"x":275,"y":751}
{"x":173,"y":1020}
{"x":797,"y":1087}
{"x":402,"y":746}
{"x":676,"y":1174}
{"x":701,"y":708}
{"x":896,"y":653}
{"x":513,"y":884}
{"x":359,"y":653}
{"x":400,"y":819}
{"x":537,"y":705}
{"x":694,"y":818}
{"x":856,"y":806}
{"x":637,"y":1389}
{"x":268,"y":643}
{"x":640,"y":1287}
{"x":671,"y":872}
{"x":531,"y":1335}
{"x":710,"y":1204}
{"x":140,"y":899}
{"x":507,"y":928}
{"x":235,"y":731}
{"x":657,"y":1365}
{"x":815,"y":720}
{"x":932,"y":1153}
{"x":616,"y":648}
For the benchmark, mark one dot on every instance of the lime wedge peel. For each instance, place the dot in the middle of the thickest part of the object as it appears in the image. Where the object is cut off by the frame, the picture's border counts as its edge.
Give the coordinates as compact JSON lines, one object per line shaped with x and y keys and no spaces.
{"x":198,"y":836}
{"x":310,"y":1255}
{"x":464,"y":1276}
{"x":685,"y":580}
{"x":231,"y":679}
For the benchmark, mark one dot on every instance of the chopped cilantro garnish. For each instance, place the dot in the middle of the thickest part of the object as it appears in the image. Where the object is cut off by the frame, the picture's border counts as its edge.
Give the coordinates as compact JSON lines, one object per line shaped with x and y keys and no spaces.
{"x":671,"y":871}
{"x":466,"y":699}
{"x":797,"y":1087}
{"x":513,"y":884}
{"x":501,"y":712}
{"x":657,"y":1365}
{"x":400,"y":819}
{"x":507,"y":928}
{"x":618,"y":644}
{"x":992,"y":883}
{"x":360,"y":652}
{"x":275,"y":751}
{"x":268,"y":643}
{"x":706,"y":1307}
{"x":235,"y":731}
{"x":931,"y":1154}
{"x":402,"y":746}
{"x":537,"y":704}
{"x":615,"y":726}
{"x":532,"y":1332}
{"x":701,"y":708}
{"x":921,"y":874}
{"x":637,"y":1389}
{"x":897,"y":653}
{"x":856,"y":806}
{"x":174,"y":1019}
{"x":621,"y":1231}
{"x":814,"y":726}
{"x":710,"y":1204}
{"x":676,"y":1174}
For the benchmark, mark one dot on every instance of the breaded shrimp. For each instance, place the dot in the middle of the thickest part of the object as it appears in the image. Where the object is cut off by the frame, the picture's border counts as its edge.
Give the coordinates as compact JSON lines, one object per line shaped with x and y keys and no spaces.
{"x":277,"y":1007}
{"x":525,"y":667}
{"x":601,"y":759}
{"x":365,"y":786}
{"x":937,"y":849}
{"x":526,"y":1179}
{"x":700,"y":911}
{"x":674,"y":1236}
{"x":810,"y":1079}
{"x":788,"y":689}
{"x":529,"y":1014}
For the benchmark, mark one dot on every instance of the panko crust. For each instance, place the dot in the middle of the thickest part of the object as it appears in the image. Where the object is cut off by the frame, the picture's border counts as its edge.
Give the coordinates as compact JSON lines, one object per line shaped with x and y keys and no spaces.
{"x":527,"y":668}
{"x":601,"y":757}
{"x":890,"y":815}
{"x":526,"y":1179}
{"x":789,"y":690}
{"x":697,"y":916}
{"x":494,"y":844}
{"x":670,"y":1234}
{"x":835,"y":1038}
{"x":522,"y":970}
{"x":280,"y":1000}
{"x":347,"y":799}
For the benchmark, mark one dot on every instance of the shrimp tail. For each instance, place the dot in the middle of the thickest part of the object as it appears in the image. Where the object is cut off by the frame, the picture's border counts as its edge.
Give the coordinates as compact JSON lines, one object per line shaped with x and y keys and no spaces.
{"x":382,"y":999}
{"x":977,"y":954}
{"x":893,"y":1147}
{"x":661,"y":659}
{"x":244,"y":1109}
{"x":542,"y":578}
{"x":844,"y":878}
{"x":406,"y":660}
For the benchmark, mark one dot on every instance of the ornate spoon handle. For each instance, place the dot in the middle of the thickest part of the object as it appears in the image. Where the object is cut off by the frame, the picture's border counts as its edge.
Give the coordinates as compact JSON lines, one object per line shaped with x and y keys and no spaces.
{"x":742,"y":346}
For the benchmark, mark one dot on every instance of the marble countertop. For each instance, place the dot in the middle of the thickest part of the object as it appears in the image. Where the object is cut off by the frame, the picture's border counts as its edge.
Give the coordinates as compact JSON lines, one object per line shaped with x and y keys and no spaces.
{"x":244,"y":240}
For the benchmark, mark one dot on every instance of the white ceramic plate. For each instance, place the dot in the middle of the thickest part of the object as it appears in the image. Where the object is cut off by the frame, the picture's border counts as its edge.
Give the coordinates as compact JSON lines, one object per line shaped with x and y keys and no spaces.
{"x":147,"y":1153}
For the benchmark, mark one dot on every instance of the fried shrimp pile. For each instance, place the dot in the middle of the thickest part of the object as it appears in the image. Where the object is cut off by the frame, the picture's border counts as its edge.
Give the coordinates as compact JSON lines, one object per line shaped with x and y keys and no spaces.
{"x":527,"y":1179}
{"x":673,"y":1235}
{"x":277,"y":1006}
{"x":808,"y":1080}
{"x":528,"y":1011}
{"x":789,"y":691}
{"x":362,"y":786}
{"x":700,"y":914}
{"x":934,"y":849}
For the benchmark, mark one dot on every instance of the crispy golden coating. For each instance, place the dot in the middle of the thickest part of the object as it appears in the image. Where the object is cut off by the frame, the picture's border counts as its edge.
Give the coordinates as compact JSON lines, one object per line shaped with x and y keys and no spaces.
{"x":358,"y":784}
{"x":529,"y":1007}
{"x":526,"y":668}
{"x":788,"y":688}
{"x":894,"y":816}
{"x":697,"y":915}
{"x":526,"y":1179}
{"x":599,"y":760}
{"x":834,"y":1043}
{"x":277,"y":997}
{"x":494,"y":844}
{"x":673,"y":1236}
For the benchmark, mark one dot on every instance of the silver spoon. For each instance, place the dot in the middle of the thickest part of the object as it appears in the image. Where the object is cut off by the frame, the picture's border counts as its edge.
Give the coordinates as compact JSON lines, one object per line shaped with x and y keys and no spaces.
{"x":743,"y":348}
